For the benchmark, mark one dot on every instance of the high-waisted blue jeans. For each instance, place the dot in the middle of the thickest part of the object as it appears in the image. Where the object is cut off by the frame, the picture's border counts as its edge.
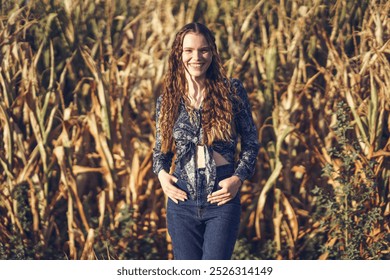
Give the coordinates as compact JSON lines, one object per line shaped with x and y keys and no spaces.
{"x":199,"y":229}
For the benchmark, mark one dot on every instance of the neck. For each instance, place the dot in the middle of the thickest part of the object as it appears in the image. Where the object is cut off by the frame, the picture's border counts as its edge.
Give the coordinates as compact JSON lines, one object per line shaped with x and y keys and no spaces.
{"x":195,"y":91}
{"x":195,"y":85}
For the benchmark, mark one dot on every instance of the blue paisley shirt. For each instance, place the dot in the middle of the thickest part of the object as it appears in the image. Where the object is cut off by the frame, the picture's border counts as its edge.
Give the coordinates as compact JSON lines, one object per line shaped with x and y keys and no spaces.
{"x":188,"y":134}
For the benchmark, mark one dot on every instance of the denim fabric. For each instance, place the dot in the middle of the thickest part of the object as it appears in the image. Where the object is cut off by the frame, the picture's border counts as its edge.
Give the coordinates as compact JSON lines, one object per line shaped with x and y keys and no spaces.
{"x":199,"y":229}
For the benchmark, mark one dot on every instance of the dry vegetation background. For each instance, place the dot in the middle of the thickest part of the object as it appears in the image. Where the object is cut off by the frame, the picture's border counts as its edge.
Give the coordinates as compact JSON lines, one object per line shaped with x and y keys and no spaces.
{"x":78,"y":85}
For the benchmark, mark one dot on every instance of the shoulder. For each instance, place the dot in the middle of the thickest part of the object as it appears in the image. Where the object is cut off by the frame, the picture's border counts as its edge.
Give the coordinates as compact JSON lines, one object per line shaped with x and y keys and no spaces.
{"x":238,"y":94}
{"x":236,"y":83}
{"x":237,"y":89}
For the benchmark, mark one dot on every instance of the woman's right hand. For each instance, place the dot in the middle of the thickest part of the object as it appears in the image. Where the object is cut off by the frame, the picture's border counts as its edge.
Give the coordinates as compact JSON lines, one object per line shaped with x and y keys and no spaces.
{"x":167,"y":182}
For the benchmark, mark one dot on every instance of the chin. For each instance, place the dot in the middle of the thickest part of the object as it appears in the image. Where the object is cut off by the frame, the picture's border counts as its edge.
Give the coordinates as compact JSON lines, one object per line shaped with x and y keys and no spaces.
{"x":197,"y":74}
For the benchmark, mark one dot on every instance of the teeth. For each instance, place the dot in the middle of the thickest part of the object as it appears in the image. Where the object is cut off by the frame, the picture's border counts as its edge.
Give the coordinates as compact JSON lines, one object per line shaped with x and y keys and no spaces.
{"x":197,"y":65}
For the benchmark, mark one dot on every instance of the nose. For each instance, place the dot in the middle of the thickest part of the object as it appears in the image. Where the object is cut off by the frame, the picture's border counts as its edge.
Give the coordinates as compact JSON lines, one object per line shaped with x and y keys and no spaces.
{"x":197,"y":55}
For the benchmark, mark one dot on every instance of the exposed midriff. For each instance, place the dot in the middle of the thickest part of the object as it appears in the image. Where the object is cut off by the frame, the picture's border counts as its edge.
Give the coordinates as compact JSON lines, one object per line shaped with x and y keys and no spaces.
{"x":200,"y":158}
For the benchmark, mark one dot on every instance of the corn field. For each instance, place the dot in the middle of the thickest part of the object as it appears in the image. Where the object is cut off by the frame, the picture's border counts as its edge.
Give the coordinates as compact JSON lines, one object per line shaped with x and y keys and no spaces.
{"x":78,"y":86}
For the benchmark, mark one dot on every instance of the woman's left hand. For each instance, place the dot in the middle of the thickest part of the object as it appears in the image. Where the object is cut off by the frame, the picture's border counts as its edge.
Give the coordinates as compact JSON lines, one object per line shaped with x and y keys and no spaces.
{"x":229,"y":189}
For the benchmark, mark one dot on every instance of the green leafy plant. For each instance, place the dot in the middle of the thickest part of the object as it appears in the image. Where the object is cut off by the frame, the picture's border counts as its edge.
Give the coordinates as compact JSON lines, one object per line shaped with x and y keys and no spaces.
{"x":347,"y":207}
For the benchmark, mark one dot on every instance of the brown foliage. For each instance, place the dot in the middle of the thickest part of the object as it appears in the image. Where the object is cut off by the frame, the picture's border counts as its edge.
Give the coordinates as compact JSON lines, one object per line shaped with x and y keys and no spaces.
{"x":78,"y":84}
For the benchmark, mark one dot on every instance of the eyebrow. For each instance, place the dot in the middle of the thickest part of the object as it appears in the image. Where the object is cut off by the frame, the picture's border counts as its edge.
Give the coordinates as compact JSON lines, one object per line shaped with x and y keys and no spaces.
{"x":201,"y":48}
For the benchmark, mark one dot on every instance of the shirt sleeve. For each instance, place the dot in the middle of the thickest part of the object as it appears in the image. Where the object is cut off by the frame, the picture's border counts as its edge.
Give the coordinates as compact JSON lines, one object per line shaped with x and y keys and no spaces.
{"x":247,"y":130}
{"x":160,"y":160}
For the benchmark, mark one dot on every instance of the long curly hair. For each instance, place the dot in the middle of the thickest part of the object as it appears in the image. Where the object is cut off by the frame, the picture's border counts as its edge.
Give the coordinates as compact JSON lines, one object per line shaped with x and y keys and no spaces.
{"x":217,"y":113}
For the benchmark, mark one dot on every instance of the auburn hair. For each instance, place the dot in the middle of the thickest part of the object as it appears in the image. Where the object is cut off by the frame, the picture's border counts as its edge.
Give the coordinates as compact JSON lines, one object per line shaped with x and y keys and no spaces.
{"x":217,"y":113}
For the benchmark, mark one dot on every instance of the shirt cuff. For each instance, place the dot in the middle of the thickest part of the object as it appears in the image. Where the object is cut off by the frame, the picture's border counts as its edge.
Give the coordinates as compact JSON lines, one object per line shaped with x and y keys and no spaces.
{"x":241,"y":176}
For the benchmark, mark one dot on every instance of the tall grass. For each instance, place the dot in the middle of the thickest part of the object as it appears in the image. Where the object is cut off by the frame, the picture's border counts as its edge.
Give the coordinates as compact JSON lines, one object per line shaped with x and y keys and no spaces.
{"x":78,"y":84}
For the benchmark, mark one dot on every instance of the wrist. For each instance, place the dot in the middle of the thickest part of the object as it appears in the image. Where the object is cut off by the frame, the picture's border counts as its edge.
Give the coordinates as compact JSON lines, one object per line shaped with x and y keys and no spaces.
{"x":238,"y":179}
{"x":161,"y":173}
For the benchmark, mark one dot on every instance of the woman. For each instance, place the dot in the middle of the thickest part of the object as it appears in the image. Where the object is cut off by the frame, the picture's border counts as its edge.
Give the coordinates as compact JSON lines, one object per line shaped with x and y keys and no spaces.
{"x":200,"y":115}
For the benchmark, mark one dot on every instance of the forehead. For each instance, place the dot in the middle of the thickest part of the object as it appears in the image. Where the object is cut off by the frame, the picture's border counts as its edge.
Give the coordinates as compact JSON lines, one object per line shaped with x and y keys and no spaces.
{"x":194,"y":40}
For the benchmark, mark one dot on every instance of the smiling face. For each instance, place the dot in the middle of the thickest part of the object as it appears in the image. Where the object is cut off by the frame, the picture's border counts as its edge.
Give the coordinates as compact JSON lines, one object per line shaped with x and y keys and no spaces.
{"x":197,"y":55}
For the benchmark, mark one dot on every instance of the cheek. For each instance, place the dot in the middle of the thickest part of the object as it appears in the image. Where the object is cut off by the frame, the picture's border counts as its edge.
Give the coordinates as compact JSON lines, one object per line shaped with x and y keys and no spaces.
{"x":209,"y":60}
{"x":184,"y":57}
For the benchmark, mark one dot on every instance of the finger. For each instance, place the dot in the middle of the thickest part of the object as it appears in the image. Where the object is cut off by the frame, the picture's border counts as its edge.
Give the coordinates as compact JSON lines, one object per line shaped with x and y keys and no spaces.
{"x":175,"y":191}
{"x":172,"y":191}
{"x":219,"y":192}
{"x":174,"y":179}
{"x":177,"y":188}
{"x":174,"y":200}
{"x":215,"y":198}
{"x":224,"y":202}
{"x":181,"y":198}
{"x":179,"y":194}
{"x":218,"y":197}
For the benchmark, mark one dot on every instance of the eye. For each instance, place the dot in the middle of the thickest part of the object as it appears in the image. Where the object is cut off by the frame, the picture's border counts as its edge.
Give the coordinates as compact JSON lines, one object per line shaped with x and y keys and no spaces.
{"x":187,"y":51}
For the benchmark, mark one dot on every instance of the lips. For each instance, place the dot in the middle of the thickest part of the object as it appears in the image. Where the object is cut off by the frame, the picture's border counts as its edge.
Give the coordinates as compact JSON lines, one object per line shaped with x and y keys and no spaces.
{"x":196,"y":65}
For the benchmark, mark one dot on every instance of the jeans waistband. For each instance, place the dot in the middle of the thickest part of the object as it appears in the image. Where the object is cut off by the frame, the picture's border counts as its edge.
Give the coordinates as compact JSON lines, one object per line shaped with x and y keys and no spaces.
{"x":225,"y":170}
